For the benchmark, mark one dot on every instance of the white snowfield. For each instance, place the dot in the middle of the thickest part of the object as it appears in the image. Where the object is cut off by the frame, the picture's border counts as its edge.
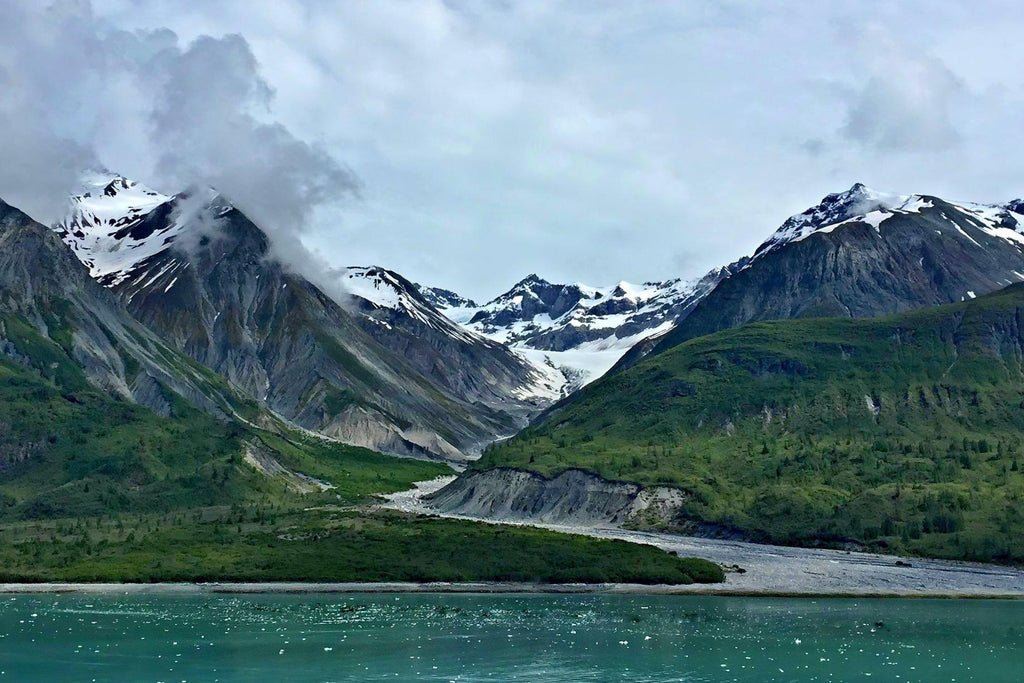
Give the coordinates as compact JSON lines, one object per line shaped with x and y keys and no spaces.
{"x":98,"y":227}
{"x":603,"y":316}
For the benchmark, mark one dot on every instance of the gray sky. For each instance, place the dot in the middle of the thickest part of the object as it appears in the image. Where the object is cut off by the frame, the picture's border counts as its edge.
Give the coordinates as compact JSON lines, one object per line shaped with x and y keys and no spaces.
{"x":468,"y":143}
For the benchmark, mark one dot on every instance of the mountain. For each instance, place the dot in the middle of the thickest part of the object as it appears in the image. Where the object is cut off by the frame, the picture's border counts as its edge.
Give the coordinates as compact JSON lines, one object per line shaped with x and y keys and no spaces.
{"x":443,"y":298}
{"x":97,"y":413}
{"x":110,"y":472}
{"x":398,"y":378}
{"x":863,"y":253}
{"x":397,"y":315}
{"x":580,"y":330}
{"x":900,"y":433}
{"x":57,"y":320}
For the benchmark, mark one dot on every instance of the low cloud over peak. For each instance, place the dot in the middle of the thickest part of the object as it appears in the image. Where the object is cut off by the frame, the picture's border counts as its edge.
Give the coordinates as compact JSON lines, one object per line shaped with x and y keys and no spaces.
{"x":82,"y":94}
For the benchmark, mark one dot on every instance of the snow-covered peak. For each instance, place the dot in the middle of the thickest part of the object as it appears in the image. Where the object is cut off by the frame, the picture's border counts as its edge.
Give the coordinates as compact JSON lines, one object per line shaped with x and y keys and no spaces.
{"x":580,"y":329}
{"x":107,"y":227}
{"x":859,"y":203}
{"x":862,"y":205}
{"x":441,"y":298}
{"x":116,"y":224}
{"x":376,"y":285}
{"x":384,"y":294}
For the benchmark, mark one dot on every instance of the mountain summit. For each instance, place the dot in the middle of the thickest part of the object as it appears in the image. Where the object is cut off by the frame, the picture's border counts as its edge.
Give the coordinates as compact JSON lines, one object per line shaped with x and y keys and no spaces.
{"x":577,"y":329}
{"x":379,"y":368}
{"x":862,"y":205}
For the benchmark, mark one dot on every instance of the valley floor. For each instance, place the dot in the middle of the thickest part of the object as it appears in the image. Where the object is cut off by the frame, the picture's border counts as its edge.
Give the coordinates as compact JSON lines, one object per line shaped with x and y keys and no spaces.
{"x":783,"y":570}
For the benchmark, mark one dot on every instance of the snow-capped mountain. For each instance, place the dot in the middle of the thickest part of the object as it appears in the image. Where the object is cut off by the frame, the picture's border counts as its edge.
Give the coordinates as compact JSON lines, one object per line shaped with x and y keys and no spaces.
{"x":581,"y":330}
{"x":115,"y":224}
{"x":395,"y":312}
{"x":863,"y":253}
{"x":862,"y":205}
{"x":444,"y":298}
{"x":376,"y":366}
{"x":50,"y":300}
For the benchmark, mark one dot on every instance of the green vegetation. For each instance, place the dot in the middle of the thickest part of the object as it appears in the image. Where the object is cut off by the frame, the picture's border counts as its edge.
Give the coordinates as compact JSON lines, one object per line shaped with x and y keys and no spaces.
{"x":268,"y":543}
{"x":83,"y":453}
{"x":93,"y":488}
{"x":903,"y":433}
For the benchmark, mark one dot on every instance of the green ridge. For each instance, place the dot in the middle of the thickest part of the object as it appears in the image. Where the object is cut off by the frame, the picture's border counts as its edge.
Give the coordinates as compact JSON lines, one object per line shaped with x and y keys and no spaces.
{"x":903,"y":433}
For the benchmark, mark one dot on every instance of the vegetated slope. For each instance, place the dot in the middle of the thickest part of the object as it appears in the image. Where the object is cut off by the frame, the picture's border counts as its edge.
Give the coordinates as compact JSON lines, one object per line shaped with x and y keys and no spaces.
{"x":99,"y":416}
{"x":904,"y":432}
{"x":98,"y":489}
{"x":95,"y":485}
{"x":201,"y":274}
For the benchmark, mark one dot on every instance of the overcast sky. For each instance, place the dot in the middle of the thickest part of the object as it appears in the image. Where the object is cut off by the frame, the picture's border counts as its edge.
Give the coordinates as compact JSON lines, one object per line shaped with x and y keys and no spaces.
{"x":468,"y":143}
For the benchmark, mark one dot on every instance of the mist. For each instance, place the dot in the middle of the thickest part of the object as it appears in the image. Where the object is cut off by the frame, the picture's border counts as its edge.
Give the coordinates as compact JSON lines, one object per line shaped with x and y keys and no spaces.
{"x":80,"y":95}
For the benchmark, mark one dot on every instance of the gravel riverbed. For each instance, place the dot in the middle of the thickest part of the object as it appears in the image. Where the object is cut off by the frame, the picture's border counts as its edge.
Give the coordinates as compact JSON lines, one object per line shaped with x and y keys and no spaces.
{"x":783,"y":570}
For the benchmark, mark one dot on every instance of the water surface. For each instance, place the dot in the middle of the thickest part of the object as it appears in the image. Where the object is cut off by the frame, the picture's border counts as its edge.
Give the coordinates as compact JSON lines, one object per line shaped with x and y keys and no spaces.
{"x":506,"y":638}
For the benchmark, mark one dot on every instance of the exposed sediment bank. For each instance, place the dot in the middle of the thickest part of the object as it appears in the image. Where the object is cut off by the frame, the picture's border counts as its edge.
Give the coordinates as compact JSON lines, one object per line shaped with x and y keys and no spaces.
{"x":595,"y":509}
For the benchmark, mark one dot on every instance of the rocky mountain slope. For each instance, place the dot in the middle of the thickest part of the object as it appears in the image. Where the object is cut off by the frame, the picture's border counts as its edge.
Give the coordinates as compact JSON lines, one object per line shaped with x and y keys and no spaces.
{"x":863,"y":253}
{"x":857,"y":253}
{"x":99,"y":414}
{"x":580,"y":330}
{"x":393,"y":311}
{"x":56,"y":319}
{"x":898,"y":432}
{"x":386,"y":372}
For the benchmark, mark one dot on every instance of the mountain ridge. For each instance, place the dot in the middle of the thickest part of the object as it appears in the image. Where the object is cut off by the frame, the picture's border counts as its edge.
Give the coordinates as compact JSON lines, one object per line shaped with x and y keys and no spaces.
{"x":898,"y":432}
{"x":199,"y":272}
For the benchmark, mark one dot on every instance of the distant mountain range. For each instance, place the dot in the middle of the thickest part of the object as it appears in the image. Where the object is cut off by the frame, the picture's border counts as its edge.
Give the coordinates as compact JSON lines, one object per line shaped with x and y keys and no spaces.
{"x":857,"y":253}
{"x":373,"y":360}
{"x":377,"y":367}
{"x":577,"y":329}
{"x":149,"y":316}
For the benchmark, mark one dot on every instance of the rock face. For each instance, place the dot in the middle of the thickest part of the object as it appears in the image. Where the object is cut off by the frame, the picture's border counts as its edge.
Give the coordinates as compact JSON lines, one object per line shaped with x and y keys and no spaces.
{"x":47,"y":297}
{"x":483,"y":371}
{"x":860,"y":254}
{"x":403,"y":380}
{"x":574,"y":498}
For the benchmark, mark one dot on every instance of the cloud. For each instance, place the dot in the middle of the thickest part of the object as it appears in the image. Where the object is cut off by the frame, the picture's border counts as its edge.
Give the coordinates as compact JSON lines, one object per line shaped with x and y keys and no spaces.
{"x":907,"y":102}
{"x":41,"y":161}
{"x":80,"y":94}
{"x":588,"y":141}
{"x":205,"y":127}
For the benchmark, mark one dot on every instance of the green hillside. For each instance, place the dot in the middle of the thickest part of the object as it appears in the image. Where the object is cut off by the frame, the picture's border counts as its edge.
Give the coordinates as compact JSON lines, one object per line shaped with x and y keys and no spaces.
{"x":70,"y":450}
{"x":95,"y":488}
{"x":905,"y":433}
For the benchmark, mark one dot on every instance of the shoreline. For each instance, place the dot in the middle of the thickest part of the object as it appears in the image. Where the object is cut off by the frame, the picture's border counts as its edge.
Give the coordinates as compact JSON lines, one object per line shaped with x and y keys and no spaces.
{"x":783,"y":570}
{"x":470,"y":588}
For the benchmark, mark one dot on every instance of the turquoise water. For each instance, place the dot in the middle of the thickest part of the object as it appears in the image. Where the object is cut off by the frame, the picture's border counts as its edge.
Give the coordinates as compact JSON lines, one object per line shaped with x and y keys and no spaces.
{"x":506,"y":638}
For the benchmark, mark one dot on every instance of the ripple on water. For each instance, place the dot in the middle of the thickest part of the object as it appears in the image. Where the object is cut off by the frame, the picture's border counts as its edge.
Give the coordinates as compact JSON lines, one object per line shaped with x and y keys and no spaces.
{"x":524,"y":637}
